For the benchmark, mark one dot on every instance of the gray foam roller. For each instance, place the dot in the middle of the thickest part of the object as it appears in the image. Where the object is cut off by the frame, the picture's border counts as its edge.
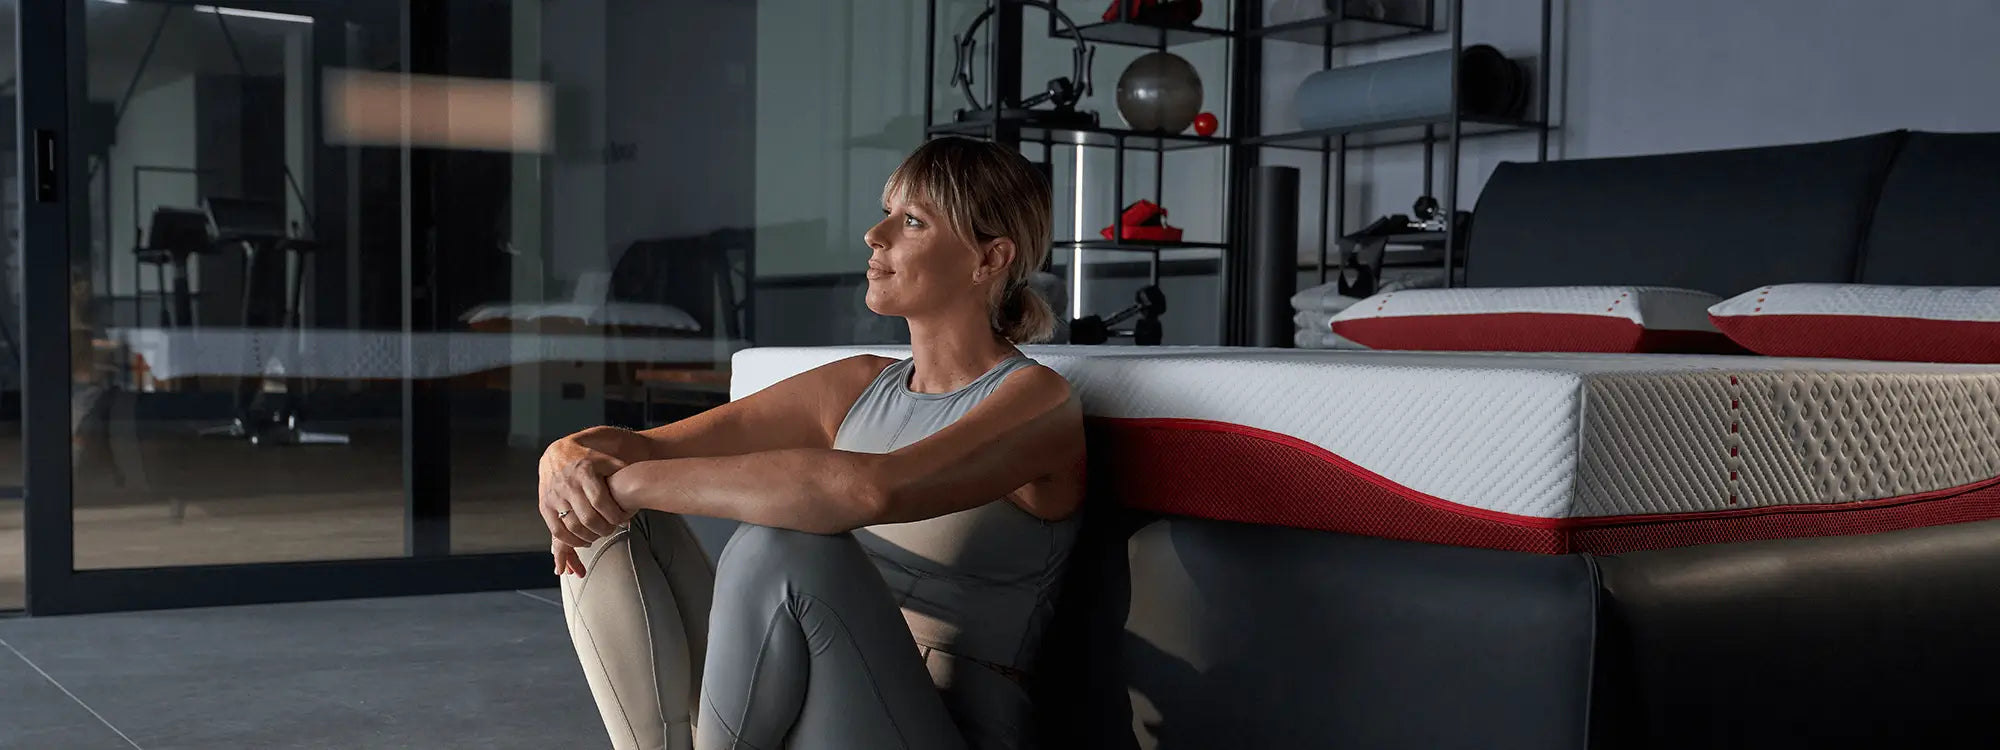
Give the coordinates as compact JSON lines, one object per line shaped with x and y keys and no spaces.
{"x":1418,"y":86}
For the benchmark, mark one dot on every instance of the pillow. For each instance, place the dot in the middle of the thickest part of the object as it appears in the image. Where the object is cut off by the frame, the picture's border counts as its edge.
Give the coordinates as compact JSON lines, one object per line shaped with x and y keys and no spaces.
{"x":1866,"y":321}
{"x":1536,"y":319}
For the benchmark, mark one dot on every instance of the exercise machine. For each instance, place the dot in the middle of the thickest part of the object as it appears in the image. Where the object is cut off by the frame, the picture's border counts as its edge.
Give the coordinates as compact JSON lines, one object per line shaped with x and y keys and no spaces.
{"x":259,"y":228}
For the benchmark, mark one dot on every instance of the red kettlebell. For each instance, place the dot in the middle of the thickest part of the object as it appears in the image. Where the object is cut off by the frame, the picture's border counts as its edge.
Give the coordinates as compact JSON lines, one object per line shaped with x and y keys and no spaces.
{"x":1205,"y":124}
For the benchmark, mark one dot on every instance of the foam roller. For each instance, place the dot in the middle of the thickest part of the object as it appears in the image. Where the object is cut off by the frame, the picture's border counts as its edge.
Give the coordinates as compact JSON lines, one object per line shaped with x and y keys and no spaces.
{"x":1418,"y":86}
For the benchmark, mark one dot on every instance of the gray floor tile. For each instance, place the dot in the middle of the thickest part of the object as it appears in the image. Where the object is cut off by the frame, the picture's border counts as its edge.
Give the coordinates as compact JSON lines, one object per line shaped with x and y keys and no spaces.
{"x":485,"y":670}
{"x":37,"y":715}
{"x":551,"y":597}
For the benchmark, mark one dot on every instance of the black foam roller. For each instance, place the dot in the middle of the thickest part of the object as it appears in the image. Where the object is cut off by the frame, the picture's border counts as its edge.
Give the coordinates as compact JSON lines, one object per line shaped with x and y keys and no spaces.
{"x":1274,"y":256}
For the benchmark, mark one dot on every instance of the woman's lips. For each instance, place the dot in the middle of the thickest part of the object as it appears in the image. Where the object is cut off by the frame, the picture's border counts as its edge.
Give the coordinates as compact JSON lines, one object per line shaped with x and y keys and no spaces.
{"x":878,"y":272}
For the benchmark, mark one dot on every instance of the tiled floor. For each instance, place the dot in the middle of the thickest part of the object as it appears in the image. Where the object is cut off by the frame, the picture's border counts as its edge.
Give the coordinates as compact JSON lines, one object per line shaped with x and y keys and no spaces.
{"x":491,"y":670}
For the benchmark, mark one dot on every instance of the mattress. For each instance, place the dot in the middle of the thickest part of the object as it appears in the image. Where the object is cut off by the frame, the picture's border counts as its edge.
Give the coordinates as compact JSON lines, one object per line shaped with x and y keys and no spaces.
{"x":1549,"y":453}
{"x":628,"y":314}
{"x":361,"y":355}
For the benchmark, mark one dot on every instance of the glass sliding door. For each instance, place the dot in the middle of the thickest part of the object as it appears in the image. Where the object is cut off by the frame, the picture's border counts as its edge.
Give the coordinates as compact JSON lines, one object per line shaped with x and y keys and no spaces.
{"x":308,"y":286}
{"x":235,"y":302}
{"x":195,"y":298}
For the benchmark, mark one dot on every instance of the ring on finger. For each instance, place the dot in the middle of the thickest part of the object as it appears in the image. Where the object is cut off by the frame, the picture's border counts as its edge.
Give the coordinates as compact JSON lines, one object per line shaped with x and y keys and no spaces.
{"x":564,"y":513}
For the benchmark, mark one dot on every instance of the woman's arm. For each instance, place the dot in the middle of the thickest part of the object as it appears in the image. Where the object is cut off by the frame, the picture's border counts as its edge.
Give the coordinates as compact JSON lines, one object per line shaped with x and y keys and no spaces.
{"x":802,"y":411}
{"x":1029,"y":429}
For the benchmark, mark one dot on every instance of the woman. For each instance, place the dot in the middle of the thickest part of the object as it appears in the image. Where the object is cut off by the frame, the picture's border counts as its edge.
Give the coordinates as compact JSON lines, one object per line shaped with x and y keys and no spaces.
{"x":905,"y":522}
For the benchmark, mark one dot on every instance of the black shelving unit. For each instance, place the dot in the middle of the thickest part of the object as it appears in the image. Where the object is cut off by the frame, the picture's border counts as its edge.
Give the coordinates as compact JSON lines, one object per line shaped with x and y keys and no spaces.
{"x":1003,"y":78}
{"x":1104,"y":137}
{"x":1452,"y":129}
{"x":1394,"y":133}
{"x":1242,"y":135}
{"x":1135,"y":34}
{"x":1340,"y":30}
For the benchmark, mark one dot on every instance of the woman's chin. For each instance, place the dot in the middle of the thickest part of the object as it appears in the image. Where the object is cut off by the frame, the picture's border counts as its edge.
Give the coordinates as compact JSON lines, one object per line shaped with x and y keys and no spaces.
{"x":878,"y":302}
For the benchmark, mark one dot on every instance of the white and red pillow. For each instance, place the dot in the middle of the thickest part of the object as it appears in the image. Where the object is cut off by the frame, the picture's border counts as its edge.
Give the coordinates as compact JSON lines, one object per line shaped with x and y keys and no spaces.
{"x":1620,"y":319}
{"x":1866,"y":321}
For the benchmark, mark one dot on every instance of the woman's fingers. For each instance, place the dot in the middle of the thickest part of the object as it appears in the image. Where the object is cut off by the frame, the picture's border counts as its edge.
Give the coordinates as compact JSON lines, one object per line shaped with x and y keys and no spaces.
{"x":575,"y":500}
{"x":559,"y":526}
{"x":597,"y":492}
{"x":567,"y":561}
{"x":583,"y":518}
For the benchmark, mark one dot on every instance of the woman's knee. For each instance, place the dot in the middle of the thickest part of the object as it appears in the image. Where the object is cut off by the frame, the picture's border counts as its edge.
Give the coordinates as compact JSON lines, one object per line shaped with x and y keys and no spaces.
{"x":767,"y":541}
{"x":762,"y":551}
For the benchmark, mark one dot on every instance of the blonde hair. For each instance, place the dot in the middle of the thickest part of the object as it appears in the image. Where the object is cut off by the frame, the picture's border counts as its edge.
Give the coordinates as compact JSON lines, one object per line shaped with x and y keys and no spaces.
{"x":984,"y":191}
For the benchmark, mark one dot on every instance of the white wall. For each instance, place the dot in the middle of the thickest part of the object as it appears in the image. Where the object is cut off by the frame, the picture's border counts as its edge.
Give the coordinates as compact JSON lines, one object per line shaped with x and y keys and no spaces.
{"x":158,"y":130}
{"x":839,"y":92}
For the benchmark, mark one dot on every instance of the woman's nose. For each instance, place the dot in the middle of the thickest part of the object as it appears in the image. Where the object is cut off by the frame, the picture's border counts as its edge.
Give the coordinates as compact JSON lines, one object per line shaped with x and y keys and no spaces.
{"x":873,"y":237}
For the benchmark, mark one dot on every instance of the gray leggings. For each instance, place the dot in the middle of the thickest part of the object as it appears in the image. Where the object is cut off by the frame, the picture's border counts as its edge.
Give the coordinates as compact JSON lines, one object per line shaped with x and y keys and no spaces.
{"x":791,"y":640}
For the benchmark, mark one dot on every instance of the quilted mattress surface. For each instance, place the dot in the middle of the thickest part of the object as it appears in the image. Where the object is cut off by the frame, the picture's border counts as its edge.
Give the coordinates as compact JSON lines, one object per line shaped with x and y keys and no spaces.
{"x":1535,"y":452}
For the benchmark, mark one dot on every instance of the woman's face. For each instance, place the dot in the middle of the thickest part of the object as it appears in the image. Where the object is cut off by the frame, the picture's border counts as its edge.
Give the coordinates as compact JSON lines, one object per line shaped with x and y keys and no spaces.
{"x":916,"y":266}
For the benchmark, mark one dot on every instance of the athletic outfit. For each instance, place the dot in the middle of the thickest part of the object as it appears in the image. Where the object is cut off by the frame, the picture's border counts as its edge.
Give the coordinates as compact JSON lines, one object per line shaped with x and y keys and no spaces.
{"x":913,"y":635}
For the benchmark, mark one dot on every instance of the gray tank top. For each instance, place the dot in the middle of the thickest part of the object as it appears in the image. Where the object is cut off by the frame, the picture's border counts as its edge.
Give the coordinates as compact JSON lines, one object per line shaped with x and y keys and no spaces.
{"x":977,"y":586}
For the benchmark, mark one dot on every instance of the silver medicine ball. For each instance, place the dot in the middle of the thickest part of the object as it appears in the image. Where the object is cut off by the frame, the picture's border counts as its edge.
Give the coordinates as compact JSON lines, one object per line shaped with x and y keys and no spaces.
{"x":1159,"y":92}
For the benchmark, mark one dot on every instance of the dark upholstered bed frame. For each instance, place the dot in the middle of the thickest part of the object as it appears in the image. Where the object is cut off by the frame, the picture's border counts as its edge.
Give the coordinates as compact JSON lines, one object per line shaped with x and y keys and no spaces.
{"x":1185,"y":633}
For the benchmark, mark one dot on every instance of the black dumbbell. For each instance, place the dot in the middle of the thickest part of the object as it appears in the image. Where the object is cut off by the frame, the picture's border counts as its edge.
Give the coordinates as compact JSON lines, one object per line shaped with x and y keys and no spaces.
{"x":1426,"y":208}
{"x":1148,"y":304}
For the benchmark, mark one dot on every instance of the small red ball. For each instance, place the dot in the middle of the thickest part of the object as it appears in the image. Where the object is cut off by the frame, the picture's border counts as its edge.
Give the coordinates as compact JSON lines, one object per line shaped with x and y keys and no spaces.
{"x":1205,"y":124}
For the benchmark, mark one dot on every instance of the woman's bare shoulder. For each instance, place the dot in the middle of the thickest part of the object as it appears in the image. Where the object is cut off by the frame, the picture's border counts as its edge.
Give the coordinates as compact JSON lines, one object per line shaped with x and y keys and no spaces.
{"x":848,"y":373}
{"x":838,"y":384}
{"x":862,"y":367}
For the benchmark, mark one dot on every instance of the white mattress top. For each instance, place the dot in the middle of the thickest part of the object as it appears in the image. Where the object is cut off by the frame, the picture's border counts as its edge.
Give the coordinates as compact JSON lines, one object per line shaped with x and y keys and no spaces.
{"x":1556,"y":435}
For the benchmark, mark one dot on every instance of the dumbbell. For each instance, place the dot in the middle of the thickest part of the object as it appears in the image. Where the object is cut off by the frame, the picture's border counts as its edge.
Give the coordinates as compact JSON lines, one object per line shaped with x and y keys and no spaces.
{"x":1426,"y":208}
{"x":1148,"y":303}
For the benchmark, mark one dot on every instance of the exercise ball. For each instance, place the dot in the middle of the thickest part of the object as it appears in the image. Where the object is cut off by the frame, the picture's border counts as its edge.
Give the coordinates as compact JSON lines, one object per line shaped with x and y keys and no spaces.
{"x":1159,"y":92}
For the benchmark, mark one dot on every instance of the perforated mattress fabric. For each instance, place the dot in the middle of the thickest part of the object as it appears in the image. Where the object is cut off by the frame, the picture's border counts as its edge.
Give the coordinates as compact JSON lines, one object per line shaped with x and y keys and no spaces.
{"x":1537,"y":452}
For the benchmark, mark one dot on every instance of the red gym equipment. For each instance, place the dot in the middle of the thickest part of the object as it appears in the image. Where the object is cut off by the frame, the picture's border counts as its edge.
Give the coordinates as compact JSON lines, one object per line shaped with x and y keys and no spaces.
{"x":1144,"y":221}
{"x":1156,"y":12}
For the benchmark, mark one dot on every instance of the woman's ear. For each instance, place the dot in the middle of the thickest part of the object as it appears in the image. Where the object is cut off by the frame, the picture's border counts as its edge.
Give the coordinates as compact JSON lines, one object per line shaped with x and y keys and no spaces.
{"x":996,"y":257}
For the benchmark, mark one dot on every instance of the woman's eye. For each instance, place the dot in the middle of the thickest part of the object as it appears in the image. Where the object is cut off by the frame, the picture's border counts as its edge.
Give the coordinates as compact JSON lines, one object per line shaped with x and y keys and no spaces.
{"x":911,"y":221}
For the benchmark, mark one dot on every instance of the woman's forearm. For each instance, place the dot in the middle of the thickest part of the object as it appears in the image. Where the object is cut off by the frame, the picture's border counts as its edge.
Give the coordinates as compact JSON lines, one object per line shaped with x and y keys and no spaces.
{"x":813,"y":490}
{"x":622,"y":444}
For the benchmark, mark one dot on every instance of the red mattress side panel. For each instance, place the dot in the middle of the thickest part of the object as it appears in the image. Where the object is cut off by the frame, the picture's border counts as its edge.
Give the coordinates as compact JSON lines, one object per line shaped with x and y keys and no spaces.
{"x":1228,"y":472}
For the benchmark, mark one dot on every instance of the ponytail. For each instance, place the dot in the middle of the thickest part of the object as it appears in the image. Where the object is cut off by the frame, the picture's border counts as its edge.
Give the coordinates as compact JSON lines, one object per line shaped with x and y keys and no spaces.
{"x":1024,"y":317}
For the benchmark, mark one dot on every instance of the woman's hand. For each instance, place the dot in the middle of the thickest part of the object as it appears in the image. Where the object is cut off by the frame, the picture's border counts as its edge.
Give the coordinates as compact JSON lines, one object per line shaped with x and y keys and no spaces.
{"x":567,"y":561}
{"x":574,"y":497}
